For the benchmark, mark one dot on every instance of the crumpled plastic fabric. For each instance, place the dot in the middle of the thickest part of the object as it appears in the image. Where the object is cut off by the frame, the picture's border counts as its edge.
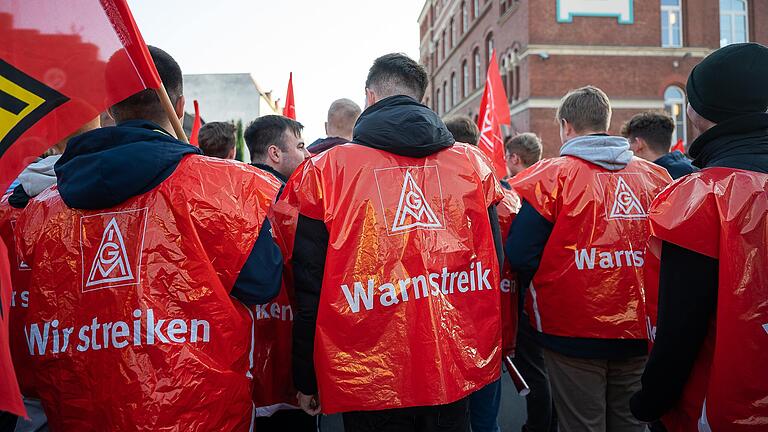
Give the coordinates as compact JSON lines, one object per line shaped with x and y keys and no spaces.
{"x":130,"y":319}
{"x":507,"y":210}
{"x":19,"y":300}
{"x":723,"y":213}
{"x":382,"y":342}
{"x":590,"y":280}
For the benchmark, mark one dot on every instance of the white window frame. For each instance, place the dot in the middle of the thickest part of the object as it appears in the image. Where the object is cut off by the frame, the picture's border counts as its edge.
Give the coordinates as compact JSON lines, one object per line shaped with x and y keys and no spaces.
{"x":465,"y":78}
{"x":446,"y":96}
{"x":477,"y":58}
{"x":668,"y":106}
{"x":476,"y":8}
{"x":464,"y":17}
{"x":732,"y":14}
{"x":666,"y":10}
{"x":454,"y":89}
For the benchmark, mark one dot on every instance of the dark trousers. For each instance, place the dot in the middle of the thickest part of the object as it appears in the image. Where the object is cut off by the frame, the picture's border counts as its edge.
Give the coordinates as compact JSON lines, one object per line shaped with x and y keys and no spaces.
{"x":287,"y":421}
{"x":441,"y":418}
{"x":529,"y":360}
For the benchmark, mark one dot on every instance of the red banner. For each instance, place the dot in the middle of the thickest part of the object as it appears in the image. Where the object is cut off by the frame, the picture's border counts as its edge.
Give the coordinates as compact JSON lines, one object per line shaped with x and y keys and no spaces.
{"x":290,"y":107}
{"x":494,"y":111}
{"x":61,"y":65}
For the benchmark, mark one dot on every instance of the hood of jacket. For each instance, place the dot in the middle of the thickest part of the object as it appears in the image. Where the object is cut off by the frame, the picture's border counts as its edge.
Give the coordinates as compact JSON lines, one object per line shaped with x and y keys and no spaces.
{"x":105,"y":167}
{"x":39,"y":176}
{"x":401,"y":125}
{"x":609,"y":152}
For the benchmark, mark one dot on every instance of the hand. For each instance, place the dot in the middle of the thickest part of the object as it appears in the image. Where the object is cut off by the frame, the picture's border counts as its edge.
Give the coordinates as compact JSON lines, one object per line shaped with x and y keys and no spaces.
{"x":309,"y":403}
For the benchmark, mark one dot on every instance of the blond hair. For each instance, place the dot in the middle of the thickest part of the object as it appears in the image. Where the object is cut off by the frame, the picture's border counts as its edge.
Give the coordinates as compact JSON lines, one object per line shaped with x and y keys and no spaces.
{"x":586,"y":109}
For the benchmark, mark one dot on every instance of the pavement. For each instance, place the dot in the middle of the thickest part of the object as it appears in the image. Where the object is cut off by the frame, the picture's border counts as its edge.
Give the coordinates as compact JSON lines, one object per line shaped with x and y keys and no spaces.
{"x":511,"y":415}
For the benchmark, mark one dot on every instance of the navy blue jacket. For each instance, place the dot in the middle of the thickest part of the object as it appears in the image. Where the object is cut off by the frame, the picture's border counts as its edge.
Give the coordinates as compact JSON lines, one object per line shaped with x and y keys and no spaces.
{"x":676,"y":164}
{"x":105,"y":167}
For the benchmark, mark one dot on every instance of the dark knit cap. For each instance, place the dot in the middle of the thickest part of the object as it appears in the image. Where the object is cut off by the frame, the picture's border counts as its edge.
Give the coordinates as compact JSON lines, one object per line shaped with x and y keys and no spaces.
{"x":730,"y":82}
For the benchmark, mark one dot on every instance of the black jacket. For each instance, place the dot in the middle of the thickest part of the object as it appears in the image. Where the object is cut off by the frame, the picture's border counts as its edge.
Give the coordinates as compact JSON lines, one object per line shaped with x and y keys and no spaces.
{"x":322,"y":144}
{"x":398,"y":125}
{"x":688,"y":280}
{"x":105,"y":167}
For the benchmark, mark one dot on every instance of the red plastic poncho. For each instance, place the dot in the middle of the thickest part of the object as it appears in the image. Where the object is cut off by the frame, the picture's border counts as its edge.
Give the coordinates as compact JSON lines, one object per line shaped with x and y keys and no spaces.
{"x":19,"y":301}
{"x":590,"y":281}
{"x":723,"y":213}
{"x":130,"y":324}
{"x":409,"y":309}
{"x":507,"y":210}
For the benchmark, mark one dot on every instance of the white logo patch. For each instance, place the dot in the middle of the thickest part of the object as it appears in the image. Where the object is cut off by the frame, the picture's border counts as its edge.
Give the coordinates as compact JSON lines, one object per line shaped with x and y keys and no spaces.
{"x":626,"y":205}
{"x":413,"y":203}
{"x":111,"y":261}
{"x":417,"y":201}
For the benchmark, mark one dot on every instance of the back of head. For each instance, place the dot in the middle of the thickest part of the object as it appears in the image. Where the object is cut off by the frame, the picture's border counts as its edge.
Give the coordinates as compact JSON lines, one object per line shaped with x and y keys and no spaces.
{"x":217,"y":139}
{"x":463,"y":129}
{"x":397,"y":74}
{"x":586,"y":109}
{"x":145,"y":105}
{"x":527,"y":146}
{"x":267,"y":131}
{"x":655,"y":128}
{"x":730,"y":82}
{"x":342,"y":116}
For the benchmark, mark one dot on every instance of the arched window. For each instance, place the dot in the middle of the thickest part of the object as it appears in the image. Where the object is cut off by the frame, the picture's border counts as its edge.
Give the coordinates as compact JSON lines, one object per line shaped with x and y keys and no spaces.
{"x":447,"y":96}
{"x":451,"y":34}
{"x":674,"y":104}
{"x":488,"y":48}
{"x":671,"y":24}
{"x":438,"y":102}
{"x":505,"y":75}
{"x":445,"y":45}
{"x":465,"y":79}
{"x":478,"y":68}
{"x":734,"y":24}
{"x":464,"y":18}
{"x":437,"y":53}
{"x":454,"y":90}
{"x":475,"y":9}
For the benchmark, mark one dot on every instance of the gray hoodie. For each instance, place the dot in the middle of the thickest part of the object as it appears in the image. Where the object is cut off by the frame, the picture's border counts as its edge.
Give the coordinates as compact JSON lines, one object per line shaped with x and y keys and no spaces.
{"x":609,"y":152}
{"x":39,"y":176}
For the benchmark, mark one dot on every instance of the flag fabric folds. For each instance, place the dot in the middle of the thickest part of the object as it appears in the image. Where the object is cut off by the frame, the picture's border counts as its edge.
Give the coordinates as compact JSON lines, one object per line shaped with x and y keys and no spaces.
{"x":196,"y":125}
{"x":494,"y":111}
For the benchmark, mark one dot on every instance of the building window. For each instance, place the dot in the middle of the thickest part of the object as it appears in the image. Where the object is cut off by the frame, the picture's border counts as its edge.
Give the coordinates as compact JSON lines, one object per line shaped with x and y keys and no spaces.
{"x":671,"y":24}
{"x":733,"y":22}
{"x":478,"y":68}
{"x":505,"y":5}
{"x":437,"y":53}
{"x":476,"y":8}
{"x":451,"y":34}
{"x":447,"y":96}
{"x":505,"y":75}
{"x":454,"y":89}
{"x":444,"y":45}
{"x":674,"y":103}
{"x":488,"y":48}
{"x":438,"y":101}
{"x":464,"y":18}
{"x":465,"y":79}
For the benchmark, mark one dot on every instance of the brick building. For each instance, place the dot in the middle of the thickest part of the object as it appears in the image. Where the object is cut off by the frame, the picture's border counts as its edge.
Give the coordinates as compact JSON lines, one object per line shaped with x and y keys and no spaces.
{"x":639,"y":51}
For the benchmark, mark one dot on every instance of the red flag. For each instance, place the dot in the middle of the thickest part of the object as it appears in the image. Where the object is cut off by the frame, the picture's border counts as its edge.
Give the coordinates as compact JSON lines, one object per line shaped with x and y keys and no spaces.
{"x":196,"y":125}
{"x":62,"y":63}
{"x":679,"y":146}
{"x":494,"y":111}
{"x":10,"y":396}
{"x":290,"y":108}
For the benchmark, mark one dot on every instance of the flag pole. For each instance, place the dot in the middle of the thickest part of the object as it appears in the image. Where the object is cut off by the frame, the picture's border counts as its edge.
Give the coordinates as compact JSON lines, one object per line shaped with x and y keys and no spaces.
{"x":170,"y":111}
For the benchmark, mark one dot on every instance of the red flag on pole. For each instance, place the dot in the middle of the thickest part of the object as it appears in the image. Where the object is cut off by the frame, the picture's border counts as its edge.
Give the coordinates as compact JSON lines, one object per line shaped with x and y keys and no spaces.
{"x":62,"y":63}
{"x":679,"y":146}
{"x":290,"y":108}
{"x":196,"y":125}
{"x":494,"y":111}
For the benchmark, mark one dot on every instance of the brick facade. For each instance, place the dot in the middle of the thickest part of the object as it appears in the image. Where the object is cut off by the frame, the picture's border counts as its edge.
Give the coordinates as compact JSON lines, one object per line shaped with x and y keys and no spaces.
{"x":541,"y":58}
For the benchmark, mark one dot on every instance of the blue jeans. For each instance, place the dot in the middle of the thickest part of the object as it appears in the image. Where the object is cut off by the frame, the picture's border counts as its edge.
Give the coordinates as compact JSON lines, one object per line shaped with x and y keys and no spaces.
{"x":484,"y":408}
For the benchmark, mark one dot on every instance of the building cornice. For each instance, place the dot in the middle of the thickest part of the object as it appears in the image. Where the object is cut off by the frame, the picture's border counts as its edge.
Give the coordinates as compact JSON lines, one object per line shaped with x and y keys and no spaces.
{"x":627,"y":51}
{"x":616,"y":103}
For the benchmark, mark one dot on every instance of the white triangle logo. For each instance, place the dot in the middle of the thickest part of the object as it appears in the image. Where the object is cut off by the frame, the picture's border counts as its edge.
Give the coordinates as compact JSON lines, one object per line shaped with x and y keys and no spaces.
{"x":625,"y":203}
{"x":111,"y":262}
{"x":412,"y":209}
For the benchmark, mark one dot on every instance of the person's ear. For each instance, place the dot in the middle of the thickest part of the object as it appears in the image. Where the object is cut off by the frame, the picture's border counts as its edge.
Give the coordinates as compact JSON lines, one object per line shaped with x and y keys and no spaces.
{"x":274,"y":154}
{"x":640,"y":145}
{"x":370,"y":97}
{"x":231,"y":154}
{"x":326,"y":128}
{"x":179,"y":107}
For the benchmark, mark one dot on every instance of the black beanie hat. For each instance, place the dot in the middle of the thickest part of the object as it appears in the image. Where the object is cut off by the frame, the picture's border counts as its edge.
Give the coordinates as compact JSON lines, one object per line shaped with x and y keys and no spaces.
{"x":730,"y":82}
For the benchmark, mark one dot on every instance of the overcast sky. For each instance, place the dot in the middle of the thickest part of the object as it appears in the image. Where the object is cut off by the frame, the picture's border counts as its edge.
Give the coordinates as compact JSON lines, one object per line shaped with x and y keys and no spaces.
{"x":327,"y":44}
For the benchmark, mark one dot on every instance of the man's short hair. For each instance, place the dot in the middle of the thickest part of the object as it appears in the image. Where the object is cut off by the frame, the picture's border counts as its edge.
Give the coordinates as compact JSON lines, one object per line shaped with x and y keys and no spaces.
{"x":527,"y":146}
{"x":586,"y":109}
{"x":217,"y":139}
{"x":397,"y":74}
{"x":145,"y":104}
{"x":343,"y":114}
{"x":656,"y":128}
{"x":269,"y":130}
{"x":463,"y":129}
